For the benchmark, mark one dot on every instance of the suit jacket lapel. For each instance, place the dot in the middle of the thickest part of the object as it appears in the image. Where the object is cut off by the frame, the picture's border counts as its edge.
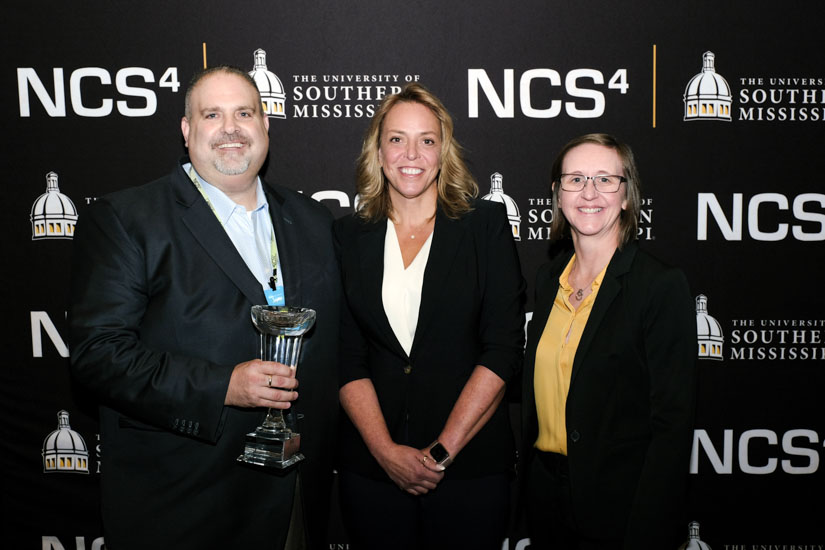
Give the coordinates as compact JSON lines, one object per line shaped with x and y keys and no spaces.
{"x":207,"y":230}
{"x":609,"y":290}
{"x":543,"y":307}
{"x":371,"y":256}
{"x":289,"y":252}
{"x":541,"y":313}
{"x":447,"y":237}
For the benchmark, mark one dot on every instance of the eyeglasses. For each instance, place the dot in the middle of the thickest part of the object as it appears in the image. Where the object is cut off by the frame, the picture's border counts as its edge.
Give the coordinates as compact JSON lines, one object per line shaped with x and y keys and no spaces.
{"x":603,"y":184}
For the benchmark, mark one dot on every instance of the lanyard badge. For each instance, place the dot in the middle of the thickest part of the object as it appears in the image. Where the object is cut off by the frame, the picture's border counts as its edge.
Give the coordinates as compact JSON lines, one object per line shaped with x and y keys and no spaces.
{"x":274,"y":294}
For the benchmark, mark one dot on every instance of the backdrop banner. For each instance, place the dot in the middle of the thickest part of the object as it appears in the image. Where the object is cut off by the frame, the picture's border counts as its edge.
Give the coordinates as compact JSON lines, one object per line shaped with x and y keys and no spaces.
{"x":722,"y":102}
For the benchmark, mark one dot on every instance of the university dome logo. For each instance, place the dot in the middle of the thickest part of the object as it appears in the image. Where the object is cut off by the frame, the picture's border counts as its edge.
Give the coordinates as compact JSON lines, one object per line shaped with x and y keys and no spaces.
{"x":707,"y":95}
{"x":64,"y":450}
{"x":53,"y":214}
{"x":694,"y":542}
{"x":709,"y":334}
{"x":496,"y":194}
{"x":273,"y":95}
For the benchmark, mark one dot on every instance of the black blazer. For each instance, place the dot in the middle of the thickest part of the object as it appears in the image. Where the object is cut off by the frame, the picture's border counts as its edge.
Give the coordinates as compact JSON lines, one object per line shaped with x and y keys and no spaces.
{"x":629,"y":412}
{"x":160,"y":315}
{"x":471,"y":314}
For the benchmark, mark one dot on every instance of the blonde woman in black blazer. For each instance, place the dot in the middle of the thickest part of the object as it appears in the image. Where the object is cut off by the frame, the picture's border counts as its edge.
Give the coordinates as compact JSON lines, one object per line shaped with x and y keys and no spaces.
{"x":426,"y":452}
{"x":608,"y":469}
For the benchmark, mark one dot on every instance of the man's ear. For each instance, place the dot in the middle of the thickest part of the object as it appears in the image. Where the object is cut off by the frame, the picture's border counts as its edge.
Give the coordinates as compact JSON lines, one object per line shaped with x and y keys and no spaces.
{"x":184,"y":128}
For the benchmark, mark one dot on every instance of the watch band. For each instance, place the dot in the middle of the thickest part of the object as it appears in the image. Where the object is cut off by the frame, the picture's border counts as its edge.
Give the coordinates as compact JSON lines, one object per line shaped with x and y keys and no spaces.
{"x":440,"y":454}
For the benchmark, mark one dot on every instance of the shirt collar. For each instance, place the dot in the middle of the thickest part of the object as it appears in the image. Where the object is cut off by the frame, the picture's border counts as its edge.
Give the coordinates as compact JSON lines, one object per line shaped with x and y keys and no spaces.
{"x":223,"y":205}
{"x":565,"y":284}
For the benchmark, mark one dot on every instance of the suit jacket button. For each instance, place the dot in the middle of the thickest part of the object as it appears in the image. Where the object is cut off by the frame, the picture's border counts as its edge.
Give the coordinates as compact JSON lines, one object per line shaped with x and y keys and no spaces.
{"x":575,"y":436}
{"x":408,"y":369}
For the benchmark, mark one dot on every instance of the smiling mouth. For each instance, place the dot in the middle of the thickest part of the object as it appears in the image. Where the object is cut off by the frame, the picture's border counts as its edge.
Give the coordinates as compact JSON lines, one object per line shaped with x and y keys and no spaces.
{"x":590,"y":210}
{"x":411,"y":171}
{"x":231,"y":145}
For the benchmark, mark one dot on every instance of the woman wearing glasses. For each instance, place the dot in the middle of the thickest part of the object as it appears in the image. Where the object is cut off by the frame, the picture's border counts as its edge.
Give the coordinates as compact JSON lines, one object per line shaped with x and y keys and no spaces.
{"x":609,"y":378}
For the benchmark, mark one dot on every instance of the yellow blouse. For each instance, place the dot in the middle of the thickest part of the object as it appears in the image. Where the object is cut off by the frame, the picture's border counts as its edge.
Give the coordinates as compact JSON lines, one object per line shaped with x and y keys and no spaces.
{"x":554,"y":361}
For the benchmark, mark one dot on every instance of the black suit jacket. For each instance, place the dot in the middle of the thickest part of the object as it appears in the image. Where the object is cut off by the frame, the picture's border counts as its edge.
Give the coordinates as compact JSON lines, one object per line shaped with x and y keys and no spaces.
{"x":160,"y":315}
{"x":629,"y":412}
{"x":471,"y":314}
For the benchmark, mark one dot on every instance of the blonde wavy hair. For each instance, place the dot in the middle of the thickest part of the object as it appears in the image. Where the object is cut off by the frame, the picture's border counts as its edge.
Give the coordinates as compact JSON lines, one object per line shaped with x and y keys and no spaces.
{"x":456,"y":185}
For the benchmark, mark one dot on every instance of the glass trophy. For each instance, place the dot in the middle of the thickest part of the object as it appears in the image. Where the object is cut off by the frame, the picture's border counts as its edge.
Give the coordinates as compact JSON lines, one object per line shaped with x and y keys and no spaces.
{"x":274,"y":444}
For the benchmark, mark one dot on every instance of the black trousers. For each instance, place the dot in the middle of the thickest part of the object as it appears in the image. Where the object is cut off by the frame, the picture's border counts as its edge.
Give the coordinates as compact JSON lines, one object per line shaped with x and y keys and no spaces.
{"x":551,"y":523}
{"x":459,"y":513}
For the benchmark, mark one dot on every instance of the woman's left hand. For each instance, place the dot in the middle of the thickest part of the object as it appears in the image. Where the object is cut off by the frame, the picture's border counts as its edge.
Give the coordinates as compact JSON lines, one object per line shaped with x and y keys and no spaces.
{"x":414,"y":471}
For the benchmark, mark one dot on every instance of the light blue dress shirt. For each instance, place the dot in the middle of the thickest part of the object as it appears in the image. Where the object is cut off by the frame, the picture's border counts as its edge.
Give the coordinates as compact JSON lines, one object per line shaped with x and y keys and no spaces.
{"x":251,"y":232}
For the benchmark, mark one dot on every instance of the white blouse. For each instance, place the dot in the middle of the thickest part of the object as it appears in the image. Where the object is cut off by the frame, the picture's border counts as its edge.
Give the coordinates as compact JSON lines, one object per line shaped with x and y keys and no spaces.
{"x":401,"y":290}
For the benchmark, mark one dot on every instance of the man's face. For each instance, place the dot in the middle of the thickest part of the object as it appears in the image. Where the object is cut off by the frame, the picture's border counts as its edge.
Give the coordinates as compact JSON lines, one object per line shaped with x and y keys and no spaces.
{"x":226,"y":133}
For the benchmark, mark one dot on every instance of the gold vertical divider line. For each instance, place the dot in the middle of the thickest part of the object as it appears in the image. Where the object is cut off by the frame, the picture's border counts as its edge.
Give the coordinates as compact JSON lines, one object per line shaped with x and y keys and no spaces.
{"x":654,"y":85}
{"x":204,"y":55}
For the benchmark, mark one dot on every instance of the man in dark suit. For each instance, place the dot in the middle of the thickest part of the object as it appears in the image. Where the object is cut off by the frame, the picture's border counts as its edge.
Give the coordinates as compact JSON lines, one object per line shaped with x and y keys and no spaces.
{"x":164,"y":276}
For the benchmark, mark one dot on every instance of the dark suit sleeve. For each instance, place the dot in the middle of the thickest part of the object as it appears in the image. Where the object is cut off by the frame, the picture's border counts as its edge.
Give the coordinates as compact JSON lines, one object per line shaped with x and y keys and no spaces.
{"x":352,"y":342}
{"x":501,"y":324}
{"x":111,"y":292}
{"x":669,"y":342}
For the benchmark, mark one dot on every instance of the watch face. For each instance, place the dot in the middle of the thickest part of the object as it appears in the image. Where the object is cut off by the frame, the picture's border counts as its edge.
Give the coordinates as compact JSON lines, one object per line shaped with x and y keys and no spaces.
{"x":439,"y":453}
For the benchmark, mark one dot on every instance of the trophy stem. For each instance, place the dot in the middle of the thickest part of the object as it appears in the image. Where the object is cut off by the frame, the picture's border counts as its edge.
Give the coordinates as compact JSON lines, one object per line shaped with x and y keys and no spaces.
{"x":274,"y":443}
{"x":274,"y":421}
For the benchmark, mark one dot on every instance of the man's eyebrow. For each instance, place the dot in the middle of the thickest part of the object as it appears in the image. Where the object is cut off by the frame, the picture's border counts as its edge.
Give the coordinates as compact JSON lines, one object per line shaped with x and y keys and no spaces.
{"x":210,"y":109}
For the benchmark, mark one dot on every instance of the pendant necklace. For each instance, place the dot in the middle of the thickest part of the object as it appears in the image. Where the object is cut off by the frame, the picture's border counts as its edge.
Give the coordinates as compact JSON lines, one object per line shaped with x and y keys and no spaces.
{"x":421,"y":227}
{"x":580,"y":291}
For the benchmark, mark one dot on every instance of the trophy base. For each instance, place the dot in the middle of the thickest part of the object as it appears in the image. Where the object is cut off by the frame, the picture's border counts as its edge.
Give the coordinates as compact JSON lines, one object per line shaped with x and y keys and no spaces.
{"x":272,"y":450}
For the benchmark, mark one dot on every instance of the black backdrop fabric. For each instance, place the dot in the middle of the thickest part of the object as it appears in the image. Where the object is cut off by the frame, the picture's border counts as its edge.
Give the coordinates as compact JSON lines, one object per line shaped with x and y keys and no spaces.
{"x":722,"y":102}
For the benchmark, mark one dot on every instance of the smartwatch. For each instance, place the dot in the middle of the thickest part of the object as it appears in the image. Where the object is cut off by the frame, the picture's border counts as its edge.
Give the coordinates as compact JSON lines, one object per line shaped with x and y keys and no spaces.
{"x":440,"y":454}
